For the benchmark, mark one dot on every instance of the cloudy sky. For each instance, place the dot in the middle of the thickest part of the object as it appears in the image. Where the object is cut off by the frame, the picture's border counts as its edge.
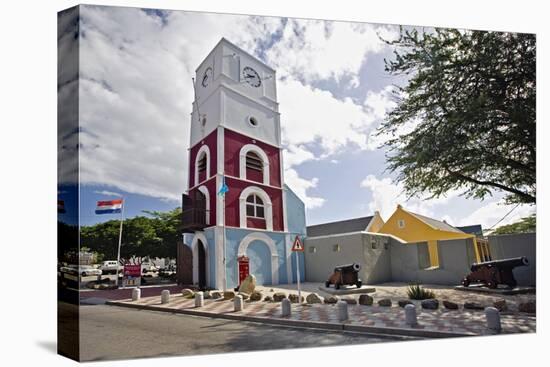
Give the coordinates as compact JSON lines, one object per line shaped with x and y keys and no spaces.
{"x":135,"y":104}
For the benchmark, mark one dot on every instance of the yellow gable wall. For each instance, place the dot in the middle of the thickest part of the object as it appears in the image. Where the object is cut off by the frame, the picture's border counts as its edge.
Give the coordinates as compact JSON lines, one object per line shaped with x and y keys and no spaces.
{"x":376,"y":223}
{"x":415,"y":230}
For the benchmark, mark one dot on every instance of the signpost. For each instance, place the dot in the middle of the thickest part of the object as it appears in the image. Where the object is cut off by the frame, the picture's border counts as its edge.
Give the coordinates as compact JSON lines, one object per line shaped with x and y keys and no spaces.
{"x":298,"y":246}
{"x":132,"y":275}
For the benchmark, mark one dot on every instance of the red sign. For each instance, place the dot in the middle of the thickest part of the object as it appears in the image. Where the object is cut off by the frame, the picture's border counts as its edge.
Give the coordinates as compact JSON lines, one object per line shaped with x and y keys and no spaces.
{"x":131,"y":270}
{"x":244,"y":268}
{"x":298,"y":246}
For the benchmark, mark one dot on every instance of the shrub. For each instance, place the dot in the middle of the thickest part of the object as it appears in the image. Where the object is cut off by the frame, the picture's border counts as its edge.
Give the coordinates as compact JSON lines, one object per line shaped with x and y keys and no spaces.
{"x":415,"y":291}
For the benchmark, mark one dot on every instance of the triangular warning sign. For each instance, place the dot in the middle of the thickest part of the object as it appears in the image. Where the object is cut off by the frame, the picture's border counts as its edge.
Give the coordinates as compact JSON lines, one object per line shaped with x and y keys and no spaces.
{"x":297,"y":246}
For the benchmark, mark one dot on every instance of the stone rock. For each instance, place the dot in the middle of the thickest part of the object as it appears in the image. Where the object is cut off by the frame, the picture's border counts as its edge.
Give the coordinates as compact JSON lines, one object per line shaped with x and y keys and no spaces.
{"x":245,"y":296}
{"x":366,"y":300}
{"x":268,"y":299}
{"x":271,"y":290}
{"x":187,"y":293}
{"x":473,"y":306}
{"x":350,"y":300}
{"x":313,"y":298}
{"x":248,"y":285}
{"x":207,"y":295}
{"x":500,"y":305}
{"x":529,"y":307}
{"x":430,"y":304}
{"x":385,"y":302}
{"x":279,"y":296}
{"x":255,"y":296}
{"x":216,"y":294}
{"x":450,"y":305}
{"x":227,"y":295}
{"x":332,"y":299}
{"x":404,"y":302}
{"x":294,"y":298}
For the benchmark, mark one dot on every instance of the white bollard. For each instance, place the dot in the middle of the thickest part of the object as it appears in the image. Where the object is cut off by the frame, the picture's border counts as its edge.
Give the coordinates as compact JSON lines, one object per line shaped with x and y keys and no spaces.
{"x":286,"y":310}
{"x":165,"y":296}
{"x":410,"y":315}
{"x":238,"y":303}
{"x":493,"y":319}
{"x":342,"y":311}
{"x":199,"y":299}
{"x":136,"y":294}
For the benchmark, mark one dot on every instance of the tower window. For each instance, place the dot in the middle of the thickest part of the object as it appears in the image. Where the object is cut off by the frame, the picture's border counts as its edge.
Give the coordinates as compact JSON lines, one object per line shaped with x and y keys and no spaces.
{"x":202,"y":163}
{"x":253,"y":121}
{"x":253,"y":161}
{"x":401,"y":223}
{"x":255,"y":207}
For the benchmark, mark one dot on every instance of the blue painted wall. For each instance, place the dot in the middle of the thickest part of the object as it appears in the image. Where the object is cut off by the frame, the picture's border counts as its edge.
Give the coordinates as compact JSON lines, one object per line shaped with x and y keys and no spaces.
{"x":296,"y":212}
{"x":260,"y":262}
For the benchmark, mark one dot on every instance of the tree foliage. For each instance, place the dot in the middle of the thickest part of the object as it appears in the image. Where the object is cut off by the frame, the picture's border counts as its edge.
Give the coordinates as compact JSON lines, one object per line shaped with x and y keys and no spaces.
{"x":527,"y":224}
{"x":466,"y":118}
{"x":153,"y":236}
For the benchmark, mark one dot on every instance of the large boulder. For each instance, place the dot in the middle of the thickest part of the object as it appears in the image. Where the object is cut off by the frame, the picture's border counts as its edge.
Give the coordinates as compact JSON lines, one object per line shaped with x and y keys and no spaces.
{"x":430,"y":304}
{"x":313,"y":298}
{"x":255,"y":296}
{"x":228,"y":295}
{"x":207,"y":295}
{"x":216,"y":294}
{"x":473,"y":306}
{"x":385,"y":302}
{"x":366,"y":300}
{"x":248,"y":285}
{"x":294,"y":298}
{"x":332,"y":299}
{"x":350,"y":300}
{"x":245,"y":296}
{"x":403,"y":302}
{"x":501,"y":305}
{"x":186,"y":292}
{"x":279,"y":296}
{"x":529,"y":307}
{"x":450,"y":305}
{"x":268,"y":299}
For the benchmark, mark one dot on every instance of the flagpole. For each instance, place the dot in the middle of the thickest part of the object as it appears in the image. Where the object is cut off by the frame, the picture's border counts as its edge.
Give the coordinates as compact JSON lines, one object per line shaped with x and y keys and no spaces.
{"x":119,"y":242}
{"x":223,"y":243}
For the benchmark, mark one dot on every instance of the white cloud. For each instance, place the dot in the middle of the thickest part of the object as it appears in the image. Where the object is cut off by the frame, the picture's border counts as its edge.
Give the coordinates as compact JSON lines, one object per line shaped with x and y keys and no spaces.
{"x":313,"y":49}
{"x":493,"y":211}
{"x":107,"y":193}
{"x":386,"y":195}
{"x":295,"y":155}
{"x":300,"y":187}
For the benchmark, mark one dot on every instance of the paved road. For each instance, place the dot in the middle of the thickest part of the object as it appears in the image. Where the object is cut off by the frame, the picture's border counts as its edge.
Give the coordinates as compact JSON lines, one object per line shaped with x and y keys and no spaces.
{"x":109,"y":332}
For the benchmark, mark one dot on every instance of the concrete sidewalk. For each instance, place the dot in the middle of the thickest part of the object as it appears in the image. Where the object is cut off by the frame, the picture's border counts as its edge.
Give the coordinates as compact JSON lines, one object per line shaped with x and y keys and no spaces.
{"x":365,"y":319}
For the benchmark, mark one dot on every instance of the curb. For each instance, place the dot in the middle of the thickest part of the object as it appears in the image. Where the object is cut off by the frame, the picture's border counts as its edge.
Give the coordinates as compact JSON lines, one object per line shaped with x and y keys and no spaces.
{"x":388,"y":331}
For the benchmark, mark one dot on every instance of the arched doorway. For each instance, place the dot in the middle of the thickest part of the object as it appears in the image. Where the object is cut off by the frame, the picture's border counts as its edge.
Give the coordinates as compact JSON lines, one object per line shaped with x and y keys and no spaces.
{"x":200,"y":260}
{"x":260,"y":262}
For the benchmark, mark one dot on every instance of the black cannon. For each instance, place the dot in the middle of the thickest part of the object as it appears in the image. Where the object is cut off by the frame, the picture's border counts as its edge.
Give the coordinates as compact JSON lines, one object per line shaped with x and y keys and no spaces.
{"x":493,"y":273}
{"x":345,"y":275}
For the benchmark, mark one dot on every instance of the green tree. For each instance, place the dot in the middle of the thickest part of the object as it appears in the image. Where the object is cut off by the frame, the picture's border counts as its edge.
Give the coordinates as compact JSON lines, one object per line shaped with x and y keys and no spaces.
{"x":527,"y":224}
{"x":466,"y":117}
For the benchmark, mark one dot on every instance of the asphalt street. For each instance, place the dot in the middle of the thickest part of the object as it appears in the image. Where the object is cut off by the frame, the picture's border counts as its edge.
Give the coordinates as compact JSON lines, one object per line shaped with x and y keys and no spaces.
{"x":109,"y":332}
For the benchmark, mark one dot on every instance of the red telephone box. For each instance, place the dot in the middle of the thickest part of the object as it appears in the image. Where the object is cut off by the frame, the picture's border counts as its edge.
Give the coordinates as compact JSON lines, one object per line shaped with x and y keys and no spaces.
{"x":244,"y":268}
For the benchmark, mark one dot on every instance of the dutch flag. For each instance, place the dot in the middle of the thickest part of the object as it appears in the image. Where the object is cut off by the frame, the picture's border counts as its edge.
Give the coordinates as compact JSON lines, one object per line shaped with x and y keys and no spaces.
{"x":109,"y":206}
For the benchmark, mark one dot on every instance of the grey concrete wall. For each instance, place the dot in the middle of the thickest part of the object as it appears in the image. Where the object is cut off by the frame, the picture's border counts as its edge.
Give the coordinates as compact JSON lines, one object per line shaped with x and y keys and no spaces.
{"x":355,"y":247}
{"x":516,"y":245}
{"x":453,"y":263}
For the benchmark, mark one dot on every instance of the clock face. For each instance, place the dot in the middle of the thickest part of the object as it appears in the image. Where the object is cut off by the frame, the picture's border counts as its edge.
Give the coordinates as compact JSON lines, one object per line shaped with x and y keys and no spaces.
{"x":251,"y":76}
{"x":207,"y":77}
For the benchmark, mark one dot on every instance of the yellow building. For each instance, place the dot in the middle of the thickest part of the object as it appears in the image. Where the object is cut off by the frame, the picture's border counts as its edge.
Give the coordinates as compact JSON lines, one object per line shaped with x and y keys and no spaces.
{"x":413,"y":228}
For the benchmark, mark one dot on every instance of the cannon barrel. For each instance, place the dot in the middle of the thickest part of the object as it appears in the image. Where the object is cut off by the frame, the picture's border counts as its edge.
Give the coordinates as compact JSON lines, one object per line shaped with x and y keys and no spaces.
{"x":504,"y":263}
{"x":348,"y":267}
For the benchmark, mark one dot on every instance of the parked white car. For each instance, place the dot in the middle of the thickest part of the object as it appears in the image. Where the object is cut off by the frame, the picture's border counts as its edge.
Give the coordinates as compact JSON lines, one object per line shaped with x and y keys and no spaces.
{"x":87,"y":270}
{"x":148,"y":267}
{"x":110,"y":266}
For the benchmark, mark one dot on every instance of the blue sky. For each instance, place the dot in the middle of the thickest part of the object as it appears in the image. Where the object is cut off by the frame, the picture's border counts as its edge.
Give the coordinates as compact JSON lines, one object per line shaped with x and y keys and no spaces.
{"x":136,"y":94}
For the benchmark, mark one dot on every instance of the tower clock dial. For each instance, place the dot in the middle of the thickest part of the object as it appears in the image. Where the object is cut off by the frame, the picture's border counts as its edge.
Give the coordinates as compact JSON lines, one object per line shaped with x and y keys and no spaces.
{"x":251,"y":76}
{"x":207,"y":77}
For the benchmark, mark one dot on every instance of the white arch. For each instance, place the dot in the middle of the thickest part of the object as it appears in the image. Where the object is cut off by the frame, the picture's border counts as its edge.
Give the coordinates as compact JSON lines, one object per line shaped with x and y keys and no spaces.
{"x":194,"y":247}
{"x":268,"y":207}
{"x":206,"y":194}
{"x":203,"y":149}
{"x":242,"y":161}
{"x":249,"y":238}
